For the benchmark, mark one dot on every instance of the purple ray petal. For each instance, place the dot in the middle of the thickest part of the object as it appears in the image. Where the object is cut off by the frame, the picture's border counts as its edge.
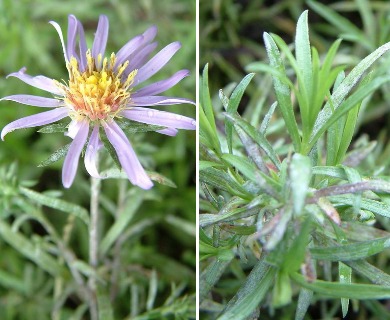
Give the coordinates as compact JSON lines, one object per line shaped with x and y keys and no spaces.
{"x":168,"y":131}
{"x":136,"y":46}
{"x":73,"y":128}
{"x":128,"y":49}
{"x":157,"y":100}
{"x":127,"y":157}
{"x":159,"y":118}
{"x":40,"y":82}
{"x":71,"y":40}
{"x":90,"y":158}
{"x":100,"y":41}
{"x":137,"y":59}
{"x":72,"y":157}
{"x":150,"y":34}
{"x":83,"y":46}
{"x":156,"y":63}
{"x":36,"y":120}
{"x":161,"y":86}
{"x":34,"y":100}
{"x":59,"y":31}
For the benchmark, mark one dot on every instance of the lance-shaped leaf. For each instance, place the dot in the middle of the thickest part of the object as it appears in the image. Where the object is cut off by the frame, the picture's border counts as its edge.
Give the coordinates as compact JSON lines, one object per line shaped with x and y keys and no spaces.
{"x":257,"y":285}
{"x":338,"y":290}
{"x":350,"y":251}
{"x":282,"y":90}
{"x":33,"y":252}
{"x":234,"y":101}
{"x":56,"y":203}
{"x":300,"y":175}
{"x":57,"y":155}
{"x":345,"y":88}
{"x":256,"y":136}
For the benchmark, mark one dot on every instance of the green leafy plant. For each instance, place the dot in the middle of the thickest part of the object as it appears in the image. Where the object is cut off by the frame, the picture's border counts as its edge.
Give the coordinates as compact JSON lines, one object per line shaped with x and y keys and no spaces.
{"x":289,"y":226}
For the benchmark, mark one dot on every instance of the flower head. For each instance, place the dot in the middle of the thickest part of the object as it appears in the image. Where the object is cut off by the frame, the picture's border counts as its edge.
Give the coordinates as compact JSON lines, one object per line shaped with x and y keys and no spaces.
{"x":101,"y":90}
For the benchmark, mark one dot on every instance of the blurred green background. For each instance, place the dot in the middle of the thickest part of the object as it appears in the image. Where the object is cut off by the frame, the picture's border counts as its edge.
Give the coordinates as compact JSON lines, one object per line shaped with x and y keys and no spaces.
{"x":163,"y":237}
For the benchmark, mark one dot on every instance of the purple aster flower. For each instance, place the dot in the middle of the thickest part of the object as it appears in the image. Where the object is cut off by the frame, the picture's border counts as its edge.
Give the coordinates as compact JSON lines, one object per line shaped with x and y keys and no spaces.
{"x":99,"y":91}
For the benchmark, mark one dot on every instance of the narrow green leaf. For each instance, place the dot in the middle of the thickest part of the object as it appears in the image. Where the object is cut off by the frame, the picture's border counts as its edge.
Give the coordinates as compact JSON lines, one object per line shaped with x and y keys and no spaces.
{"x":153,"y":288}
{"x":234,"y":101}
{"x":250,"y":171}
{"x":351,"y":291}
{"x":345,"y":276}
{"x":282,"y":91}
{"x":282,"y":291}
{"x":304,"y":301}
{"x":54,"y":128}
{"x":303,"y":53}
{"x":366,"y":204}
{"x":223,"y":181}
{"x":300,"y":175}
{"x":346,"y":86}
{"x":58,"y":154}
{"x":372,"y":273}
{"x":252,"y":149}
{"x":206,"y":106}
{"x":326,"y":118}
{"x":123,"y":220}
{"x":351,"y":251}
{"x":131,"y":127}
{"x":36,"y":254}
{"x":104,"y":304}
{"x":267,"y":118}
{"x":11,"y":282}
{"x":210,"y":276}
{"x":207,"y":134}
{"x":248,"y":297}
{"x":256,"y":136}
{"x":296,"y":253}
{"x":56,"y":203}
{"x":334,"y":172}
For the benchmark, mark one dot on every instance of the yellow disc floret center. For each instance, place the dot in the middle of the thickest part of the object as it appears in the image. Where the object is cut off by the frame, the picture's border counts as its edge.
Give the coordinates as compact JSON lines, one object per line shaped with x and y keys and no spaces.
{"x":97,"y":94}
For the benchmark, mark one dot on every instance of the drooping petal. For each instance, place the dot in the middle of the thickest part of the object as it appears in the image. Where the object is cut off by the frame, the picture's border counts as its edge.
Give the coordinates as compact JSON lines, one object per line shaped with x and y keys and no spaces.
{"x":36,"y":120}
{"x":128,"y":49}
{"x":161,"y":86}
{"x":137,"y":59}
{"x":71,"y":40}
{"x":59,"y":31}
{"x":160,"y":118}
{"x":157,"y":101}
{"x":72,"y":157}
{"x":35,"y":101}
{"x":100,"y":41}
{"x":90,"y":158}
{"x":127,"y":157}
{"x":156,"y":63}
{"x":168,"y":131}
{"x":40,"y":82}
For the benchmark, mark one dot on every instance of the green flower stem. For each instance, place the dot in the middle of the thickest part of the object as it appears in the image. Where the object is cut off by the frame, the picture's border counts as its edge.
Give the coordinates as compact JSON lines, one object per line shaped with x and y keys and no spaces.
{"x":94,"y":244}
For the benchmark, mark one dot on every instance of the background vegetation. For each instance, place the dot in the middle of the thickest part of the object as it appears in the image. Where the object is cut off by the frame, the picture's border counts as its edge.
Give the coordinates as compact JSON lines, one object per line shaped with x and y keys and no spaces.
{"x":294,"y":160}
{"x":147,"y":259}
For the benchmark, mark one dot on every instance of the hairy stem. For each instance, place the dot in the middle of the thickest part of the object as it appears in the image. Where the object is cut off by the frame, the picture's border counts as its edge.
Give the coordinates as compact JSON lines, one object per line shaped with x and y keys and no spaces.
{"x":93,"y":244}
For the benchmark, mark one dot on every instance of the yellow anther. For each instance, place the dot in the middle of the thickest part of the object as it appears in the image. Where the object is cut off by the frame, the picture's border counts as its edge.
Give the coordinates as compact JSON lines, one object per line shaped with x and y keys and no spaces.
{"x":97,"y":94}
